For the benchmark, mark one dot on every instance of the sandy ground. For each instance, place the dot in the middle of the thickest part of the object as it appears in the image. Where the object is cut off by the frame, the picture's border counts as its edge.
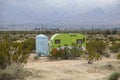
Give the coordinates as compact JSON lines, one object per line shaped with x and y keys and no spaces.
{"x":46,"y":69}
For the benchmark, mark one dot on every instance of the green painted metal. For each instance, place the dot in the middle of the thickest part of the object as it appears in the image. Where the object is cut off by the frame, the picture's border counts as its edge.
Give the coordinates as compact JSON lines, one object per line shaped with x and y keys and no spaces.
{"x":59,"y":40}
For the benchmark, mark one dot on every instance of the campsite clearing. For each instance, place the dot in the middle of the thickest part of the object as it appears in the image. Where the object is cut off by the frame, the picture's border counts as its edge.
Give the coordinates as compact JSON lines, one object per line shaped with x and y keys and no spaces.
{"x":78,"y":69}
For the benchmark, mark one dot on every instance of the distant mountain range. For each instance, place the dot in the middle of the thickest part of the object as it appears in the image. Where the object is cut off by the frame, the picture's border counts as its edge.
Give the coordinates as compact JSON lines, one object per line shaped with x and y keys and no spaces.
{"x":98,"y":16}
{"x":109,"y":17}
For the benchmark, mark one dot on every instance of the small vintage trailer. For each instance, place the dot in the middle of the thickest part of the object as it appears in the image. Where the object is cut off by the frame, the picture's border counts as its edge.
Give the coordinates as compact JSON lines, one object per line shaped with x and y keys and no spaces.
{"x":60,"y":40}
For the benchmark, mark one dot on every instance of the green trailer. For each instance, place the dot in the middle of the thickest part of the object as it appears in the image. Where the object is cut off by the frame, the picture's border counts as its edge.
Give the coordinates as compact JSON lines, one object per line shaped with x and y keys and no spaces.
{"x":60,"y":40}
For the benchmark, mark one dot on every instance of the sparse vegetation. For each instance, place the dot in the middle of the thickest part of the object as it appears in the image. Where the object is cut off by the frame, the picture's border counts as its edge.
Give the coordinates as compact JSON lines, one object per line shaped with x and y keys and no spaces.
{"x":115,"y":47}
{"x":36,"y":57}
{"x":107,"y":55}
{"x":12,"y":55}
{"x":14,"y":72}
{"x":16,"y":46}
{"x":67,"y":53}
{"x":95,"y":49}
{"x":118,"y":56}
{"x":114,"y":76}
{"x":14,"y":52}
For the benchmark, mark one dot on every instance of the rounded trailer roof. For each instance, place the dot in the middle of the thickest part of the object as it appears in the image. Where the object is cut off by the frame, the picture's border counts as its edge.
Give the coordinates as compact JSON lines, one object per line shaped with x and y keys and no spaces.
{"x":54,"y":36}
{"x":65,"y":34}
{"x":42,"y":36}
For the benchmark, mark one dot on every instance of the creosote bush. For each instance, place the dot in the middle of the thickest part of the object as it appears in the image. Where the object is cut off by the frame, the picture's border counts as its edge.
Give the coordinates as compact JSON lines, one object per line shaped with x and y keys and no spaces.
{"x":14,"y":52}
{"x":96,"y":50}
{"x":12,"y":56}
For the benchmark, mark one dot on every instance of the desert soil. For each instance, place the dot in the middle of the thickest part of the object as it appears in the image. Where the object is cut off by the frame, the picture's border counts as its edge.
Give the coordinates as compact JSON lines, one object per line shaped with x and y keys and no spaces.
{"x":47,"y":69}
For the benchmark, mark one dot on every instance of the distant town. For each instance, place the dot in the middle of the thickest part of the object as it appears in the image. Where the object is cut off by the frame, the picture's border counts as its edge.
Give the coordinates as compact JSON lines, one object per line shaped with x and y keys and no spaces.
{"x":56,"y":27}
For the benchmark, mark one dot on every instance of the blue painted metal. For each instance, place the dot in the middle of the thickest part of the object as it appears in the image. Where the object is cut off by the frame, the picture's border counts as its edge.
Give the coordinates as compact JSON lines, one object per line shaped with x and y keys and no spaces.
{"x":42,"y":47}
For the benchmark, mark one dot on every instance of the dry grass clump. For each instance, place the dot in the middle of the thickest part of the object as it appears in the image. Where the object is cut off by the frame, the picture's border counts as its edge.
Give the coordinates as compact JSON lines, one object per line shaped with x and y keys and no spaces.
{"x":36,"y":57}
{"x":13,"y":72}
{"x":108,"y":67}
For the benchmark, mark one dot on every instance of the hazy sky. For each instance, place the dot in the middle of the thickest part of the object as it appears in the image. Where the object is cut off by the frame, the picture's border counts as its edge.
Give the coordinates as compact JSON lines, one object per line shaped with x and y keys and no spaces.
{"x":28,"y":11}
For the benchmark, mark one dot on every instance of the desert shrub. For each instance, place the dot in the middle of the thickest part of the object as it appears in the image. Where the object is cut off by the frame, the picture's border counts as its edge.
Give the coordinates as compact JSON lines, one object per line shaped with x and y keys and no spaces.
{"x":3,"y":61}
{"x":107,"y":55}
{"x":76,"y":50}
{"x":14,"y":52}
{"x":107,"y":32}
{"x":54,"y":53}
{"x":36,"y":57}
{"x":115,"y":47}
{"x":66,"y":52}
{"x":95,"y":49}
{"x":13,"y":72}
{"x":118,"y":56}
{"x":112,"y":39}
{"x":114,"y":31}
{"x":3,"y":56}
{"x":90,"y":58}
{"x":114,"y":76}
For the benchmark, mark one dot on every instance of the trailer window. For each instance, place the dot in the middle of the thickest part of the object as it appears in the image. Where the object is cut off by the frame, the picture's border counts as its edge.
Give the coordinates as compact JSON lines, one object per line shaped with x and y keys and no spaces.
{"x":79,"y":41}
{"x":57,"y":41}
